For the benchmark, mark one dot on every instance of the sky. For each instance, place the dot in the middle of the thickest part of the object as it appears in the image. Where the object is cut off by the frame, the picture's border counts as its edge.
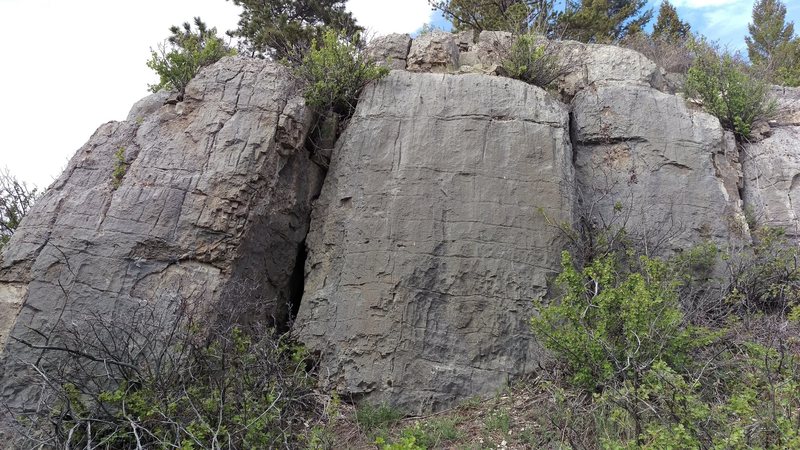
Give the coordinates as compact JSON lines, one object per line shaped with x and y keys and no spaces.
{"x":70,"y":66}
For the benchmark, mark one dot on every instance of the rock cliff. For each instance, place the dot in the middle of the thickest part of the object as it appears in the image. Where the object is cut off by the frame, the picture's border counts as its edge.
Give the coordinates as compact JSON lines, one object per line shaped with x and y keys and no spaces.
{"x":435,"y":223}
{"x":212,"y":209}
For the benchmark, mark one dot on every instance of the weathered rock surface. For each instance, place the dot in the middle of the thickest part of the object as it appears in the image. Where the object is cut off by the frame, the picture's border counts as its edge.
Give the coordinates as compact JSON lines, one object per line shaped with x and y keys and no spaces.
{"x":588,"y":64}
{"x":643,"y":160}
{"x":390,"y":51}
{"x":788,"y":100}
{"x":429,"y":239}
{"x":772,"y":180}
{"x":433,"y":52}
{"x":213,"y":208}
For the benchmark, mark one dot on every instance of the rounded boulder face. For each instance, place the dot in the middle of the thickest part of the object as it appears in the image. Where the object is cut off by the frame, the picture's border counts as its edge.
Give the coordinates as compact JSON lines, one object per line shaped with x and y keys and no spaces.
{"x":202,"y":202}
{"x":434,"y":52}
{"x":430,"y":238}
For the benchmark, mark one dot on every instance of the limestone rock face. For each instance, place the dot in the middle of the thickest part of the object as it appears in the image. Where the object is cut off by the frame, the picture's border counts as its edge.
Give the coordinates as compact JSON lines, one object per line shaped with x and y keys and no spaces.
{"x":643,"y":160}
{"x":587,"y":64}
{"x":390,"y":51}
{"x":788,"y":100}
{"x":772,"y":180}
{"x":429,"y":239}
{"x":213,"y":207}
{"x":433,"y":52}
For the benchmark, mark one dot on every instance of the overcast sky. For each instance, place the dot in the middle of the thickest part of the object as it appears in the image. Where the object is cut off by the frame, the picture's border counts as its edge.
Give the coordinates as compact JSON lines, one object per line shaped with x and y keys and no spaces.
{"x":70,"y":66}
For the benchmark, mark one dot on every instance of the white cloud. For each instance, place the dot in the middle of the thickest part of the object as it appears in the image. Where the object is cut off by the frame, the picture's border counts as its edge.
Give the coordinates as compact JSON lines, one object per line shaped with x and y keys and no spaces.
{"x":390,"y":16}
{"x":697,"y":4}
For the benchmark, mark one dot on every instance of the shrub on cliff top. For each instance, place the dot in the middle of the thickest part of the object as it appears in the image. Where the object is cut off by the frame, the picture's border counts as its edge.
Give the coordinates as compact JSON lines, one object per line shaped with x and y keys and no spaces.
{"x":728,"y":90}
{"x":335,"y":71}
{"x":187,"y":51}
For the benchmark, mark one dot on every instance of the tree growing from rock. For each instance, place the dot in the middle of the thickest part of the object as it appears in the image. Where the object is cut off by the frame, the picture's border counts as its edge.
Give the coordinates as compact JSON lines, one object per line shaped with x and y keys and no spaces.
{"x":603,"y":21}
{"x":16,"y":199}
{"x":279,"y":29}
{"x":669,"y":27}
{"x":186,"y":52}
{"x":498,"y":15}
{"x":772,"y":44}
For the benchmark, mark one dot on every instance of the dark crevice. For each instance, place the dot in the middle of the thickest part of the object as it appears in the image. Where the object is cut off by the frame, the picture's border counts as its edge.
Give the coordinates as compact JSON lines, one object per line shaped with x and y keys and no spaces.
{"x":297,"y":282}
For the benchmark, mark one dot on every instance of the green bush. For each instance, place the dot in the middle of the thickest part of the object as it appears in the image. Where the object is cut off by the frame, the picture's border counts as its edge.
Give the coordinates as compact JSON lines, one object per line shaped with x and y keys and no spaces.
{"x":335,"y":71}
{"x":187,"y":51}
{"x":728,"y":90}
{"x":120,"y":168}
{"x":611,"y":326}
{"x":16,"y":199}
{"x":158,"y":379}
{"x":533,"y":60}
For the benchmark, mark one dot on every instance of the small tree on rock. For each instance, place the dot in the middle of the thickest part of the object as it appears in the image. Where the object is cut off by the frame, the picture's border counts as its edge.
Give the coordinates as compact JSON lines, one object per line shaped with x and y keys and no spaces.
{"x":279,"y":29}
{"x":772,"y":44}
{"x":185,"y":53}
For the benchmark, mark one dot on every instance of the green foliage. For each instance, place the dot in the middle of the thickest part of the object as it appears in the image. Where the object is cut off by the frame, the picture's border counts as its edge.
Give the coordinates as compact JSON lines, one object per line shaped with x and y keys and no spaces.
{"x":611,"y":326}
{"x":160,"y":381}
{"x":498,"y":421}
{"x":532,"y":59}
{"x":335,"y":71}
{"x":772,"y":44}
{"x":186,"y":51}
{"x":669,"y":27}
{"x":517,"y":16}
{"x":280,"y":29}
{"x":603,"y":21}
{"x":766,"y":279}
{"x":728,"y":90}
{"x":429,"y":434}
{"x":120,"y":168}
{"x":371,"y":417}
{"x":16,"y":199}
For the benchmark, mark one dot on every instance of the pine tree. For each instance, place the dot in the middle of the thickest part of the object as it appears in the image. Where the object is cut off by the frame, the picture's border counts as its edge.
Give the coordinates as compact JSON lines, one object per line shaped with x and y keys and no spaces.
{"x":669,"y":27}
{"x":516,"y":16}
{"x":603,"y":20}
{"x":769,"y":32}
{"x":772,"y":45}
{"x":285,"y":28}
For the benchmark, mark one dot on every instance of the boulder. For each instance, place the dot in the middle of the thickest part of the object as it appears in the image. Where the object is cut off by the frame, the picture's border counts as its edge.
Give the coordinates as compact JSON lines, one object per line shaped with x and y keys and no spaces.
{"x":772,"y":180}
{"x":587,"y":64}
{"x":788,"y":105}
{"x":668,"y":174}
{"x":436,"y":52}
{"x":431,"y":237}
{"x":209,"y":206}
{"x":390,"y":51}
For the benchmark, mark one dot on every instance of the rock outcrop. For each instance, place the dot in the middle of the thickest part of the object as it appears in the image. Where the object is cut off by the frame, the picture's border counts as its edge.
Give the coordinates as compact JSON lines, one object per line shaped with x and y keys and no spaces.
{"x":772,"y":180}
{"x":434,"y":228}
{"x":212,"y":209}
{"x":644,"y":161}
{"x":429,"y":239}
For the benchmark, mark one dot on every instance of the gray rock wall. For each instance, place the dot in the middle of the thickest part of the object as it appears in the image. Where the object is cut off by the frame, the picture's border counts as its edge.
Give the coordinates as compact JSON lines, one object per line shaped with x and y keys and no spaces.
{"x":646,"y":162}
{"x":212,"y":210}
{"x":432,"y":232}
{"x":429,"y":239}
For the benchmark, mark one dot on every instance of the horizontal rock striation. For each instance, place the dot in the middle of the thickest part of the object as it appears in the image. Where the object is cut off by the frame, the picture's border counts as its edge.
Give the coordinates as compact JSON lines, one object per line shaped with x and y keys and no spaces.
{"x":646,"y":162}
{"x":430,"y":238}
